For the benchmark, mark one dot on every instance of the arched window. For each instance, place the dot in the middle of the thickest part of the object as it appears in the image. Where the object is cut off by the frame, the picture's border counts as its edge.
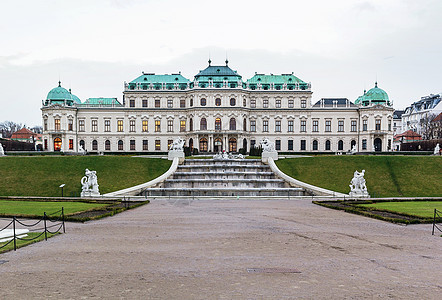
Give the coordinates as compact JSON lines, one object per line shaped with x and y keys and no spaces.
{"x":315,"y":145}
{"x":191,"y":144}
{"x":232,"y":145}
{"x":232,"y":124}
{"x":203,"y":124}
{"x":191,"y":101}
{"x":217,"y":124}
{"x":244,"y":125}
{"x":203,"y":145}
{"x":340,"y":145}
{"x":120,"y":145}
{"x":94,"y":145}
{"x":218,"y":102}
{"x":191,"y":124}
{"x":107,"y":145}
{"x":327,"y":145}
{"x":203,"y":102}
{"x":353,"y":143}
{"x":232,"y":101}
{"x":57,"y":144}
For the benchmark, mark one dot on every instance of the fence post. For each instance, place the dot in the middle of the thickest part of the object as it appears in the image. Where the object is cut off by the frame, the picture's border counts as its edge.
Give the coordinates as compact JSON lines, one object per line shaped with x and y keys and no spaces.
{"x":62,"y":218}
{"x":15,"y":237}
{"x":46,"y":230}
{"x":434,"y":221}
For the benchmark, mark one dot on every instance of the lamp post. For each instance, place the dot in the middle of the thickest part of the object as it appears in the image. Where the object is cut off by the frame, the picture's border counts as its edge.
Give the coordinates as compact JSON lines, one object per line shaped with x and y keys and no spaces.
{"x":61,"y":186}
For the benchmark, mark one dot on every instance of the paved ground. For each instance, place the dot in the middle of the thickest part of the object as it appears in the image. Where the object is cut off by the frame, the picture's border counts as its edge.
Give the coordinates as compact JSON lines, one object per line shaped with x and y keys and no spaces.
{"x":203,"y":250}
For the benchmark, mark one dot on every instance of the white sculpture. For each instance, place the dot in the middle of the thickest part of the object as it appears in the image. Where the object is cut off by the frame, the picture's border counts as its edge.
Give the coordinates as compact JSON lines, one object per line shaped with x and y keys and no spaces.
{"x":267,"y":145}
{"x":177,"y":145}
{"x":81,"y":150}
{"x":224,"y":155}
{"x":357,"y":185}
{"x":2,"y":151}
{"x":436,"y":150}
{"x":89,"y":184}
{"x":373,"y":148}
{"x":353,"y":150}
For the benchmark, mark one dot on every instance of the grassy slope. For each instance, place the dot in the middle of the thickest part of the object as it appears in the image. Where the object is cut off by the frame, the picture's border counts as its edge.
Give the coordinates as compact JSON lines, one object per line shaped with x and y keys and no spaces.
{"x":386,"y":176}
{"x":38,"y":208}
{"x":41,"y":176}
{"x":417,"y":208}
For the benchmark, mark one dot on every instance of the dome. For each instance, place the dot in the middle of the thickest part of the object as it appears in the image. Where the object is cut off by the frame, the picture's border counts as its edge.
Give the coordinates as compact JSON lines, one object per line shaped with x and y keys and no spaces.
{"x":75,"y":98}
{"x":374,"y":96}
{"x":59,"y":93}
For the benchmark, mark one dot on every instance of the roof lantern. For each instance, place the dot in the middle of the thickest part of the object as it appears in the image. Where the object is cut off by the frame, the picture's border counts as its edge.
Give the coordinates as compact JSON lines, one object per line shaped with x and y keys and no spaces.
{"x":374,"y":96}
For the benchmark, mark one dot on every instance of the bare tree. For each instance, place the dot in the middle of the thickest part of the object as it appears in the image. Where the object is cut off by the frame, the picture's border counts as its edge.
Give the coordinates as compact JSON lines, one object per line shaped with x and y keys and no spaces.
{"x":428,"y":129}
{"x":7,"y":128}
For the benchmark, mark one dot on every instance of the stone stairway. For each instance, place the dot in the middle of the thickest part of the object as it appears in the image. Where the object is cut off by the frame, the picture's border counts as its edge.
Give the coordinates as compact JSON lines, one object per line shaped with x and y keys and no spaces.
{"x":217,"y":178}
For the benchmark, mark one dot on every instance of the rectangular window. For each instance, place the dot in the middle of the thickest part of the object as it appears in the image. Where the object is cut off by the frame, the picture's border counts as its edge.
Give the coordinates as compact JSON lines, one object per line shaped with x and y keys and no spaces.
{"x":252,"y":125}
{"x":157,"y":103}
{"x":290,"y":145}
{"x":303,"y":144}
{"x":169,"y":125}
{"x":265,"y":103}
{"x":132,"y":144}
{"x":290,"y":126}
{"x":327,"y":125}
{"x":354,"y":126}
{"x":265,"y":125}
{"x":107,"y":125}
{"x":169,"y":103}
{"x":252,"y":143}
{"x":389,"y":125}
{"x":303,"y":103}
{"x":378,"y":124}
{"x":132,"y":125}
{"x":291,"y":103}
{"x":80,"y":125}
{"x":57,"y":124}
{"x":120,"y":125}
{"x":45,"y":124}
{"x":182,"y":103}
{"x":132,"y":102}
{"x":144,"y":125}
{"x":364,"y":144}
{"x":389,"y":144}
{"x":46,"y":144}
{"x":252,"y":103}
{"x":71,"y":144}
{"x":157,"y":144}
{"x":157,"y":125}
{"x":303,"y":126}
{"x":94,"y":125}
{"x":145,"y":145}
{"x":70,"y":124}
{"x":278,"y":145}
{"x":278,"y":103}
{"x":278,"y":126}
{"x":364,"y":125}
{"x":144,"y":102}
{"x":315,"y":126}
{"x":341,"y":125}
{"x":183,"y":125}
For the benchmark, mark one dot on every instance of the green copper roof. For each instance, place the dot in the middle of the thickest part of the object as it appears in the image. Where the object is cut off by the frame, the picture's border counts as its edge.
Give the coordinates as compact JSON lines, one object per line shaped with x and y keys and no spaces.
{"x":165,"y":78}
{"x":59,"y":93}
{"x":374,"y":96}
{"x":275,"y":79}
{"x":218,"y":71}
{"x":75,"y":98}
{"x":102,"y":101}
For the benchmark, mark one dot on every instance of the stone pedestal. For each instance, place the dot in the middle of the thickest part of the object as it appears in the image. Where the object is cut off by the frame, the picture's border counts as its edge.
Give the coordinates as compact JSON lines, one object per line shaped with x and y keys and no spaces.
{"x":359,"y":194}
{"x":176,"y":153}
{"x":266,"y":154}
{"x":90,"y":194}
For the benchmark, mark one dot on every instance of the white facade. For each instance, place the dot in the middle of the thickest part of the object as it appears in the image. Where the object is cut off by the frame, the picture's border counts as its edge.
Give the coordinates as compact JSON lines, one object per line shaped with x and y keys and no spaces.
{"x":426,"y":107}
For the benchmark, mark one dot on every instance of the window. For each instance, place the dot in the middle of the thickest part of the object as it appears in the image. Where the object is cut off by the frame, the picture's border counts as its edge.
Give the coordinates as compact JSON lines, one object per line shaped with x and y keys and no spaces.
{"x":80,"y":125}
{"x":303,"y":103}
{"x":252,"y":144}
{"x":107,"y":145}
{"x":278,"y":145}
{"x":120,"y":145}
{"x":94,"y":145}
{"x":132,"y":102}
{"x":290,"y":126}
{"x":183,"y":125}
{"x":169,"y":125}
{"x":45,"y":125}
{"x":327,"y":145}
{"x":265,"y":103}
{"x":144,"y":103}
{"x":157,"y":103}
{"x":157,"y":125}
{"x":244,"y":102}
{"x":107,"y":125}
{"x":291,"y":103}
{"x":169,"y":143}
{"x":252,"y":125}
{"x":303,"y":144}
{"x":278,"y":103}
{"x":265,"y":126}
{"x":203,"y":145}
{"x":315,"y":126}
{"x":70,"y":125}
{"x":191,"y":102}
{"x":232,"y":124}
{"x":218,"y":102}
{"x":145,"y":126}
{"x":389,"y":125}
{"x":353,"y":126}
{"x":169,"y":103}
{"x":278,"y":126}
{"x":341,"y":125}
{"x":327,"y":125}
{"x":315,"y":145}
{"x":364,"y":144}
{"x":290,"y":145}
{"x":145,"y":145}
{"x":389,"y":144}
{"x":132,"y":125}
{"x":252,"y":103}
{"x":232,"y":101}
{"x":71,"y":144}
{"x":364,"y":125}
{"x":303,"y":126}
{"x":94,"y":125}
{"x":217,"y":124}
{"x":244,"y":125}
{"x":82,"y":144}
{"x":340,"y":145}
{"x":57,"y":124}
{"x":157,"y":144}
{"x":203,"y":102}
{"x":378,"y":124}
{"x":120,"y":125}
{"x":132,"y":144}
{"x":203,"y":124}
{"x":182,"y":103}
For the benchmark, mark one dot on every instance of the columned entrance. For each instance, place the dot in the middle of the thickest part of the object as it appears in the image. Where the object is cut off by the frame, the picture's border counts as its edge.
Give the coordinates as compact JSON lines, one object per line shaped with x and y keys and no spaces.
{"x":377,"y":144}
{"x":232,"y":145}
{"x":57,"y":144}
{"x":218,"y":144}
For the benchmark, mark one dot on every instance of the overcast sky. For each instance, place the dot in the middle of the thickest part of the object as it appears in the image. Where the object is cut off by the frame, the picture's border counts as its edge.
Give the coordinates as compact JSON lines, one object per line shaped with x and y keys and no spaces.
{"x":342,"y":47}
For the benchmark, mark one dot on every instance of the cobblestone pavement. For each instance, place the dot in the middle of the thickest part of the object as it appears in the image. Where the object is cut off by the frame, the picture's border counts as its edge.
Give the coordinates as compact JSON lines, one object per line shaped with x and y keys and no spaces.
{"x":208,"y":250}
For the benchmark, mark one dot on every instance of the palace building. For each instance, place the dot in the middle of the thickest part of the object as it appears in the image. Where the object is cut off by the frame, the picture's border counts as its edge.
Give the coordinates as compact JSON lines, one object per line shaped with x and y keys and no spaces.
{"x":217,"y":110}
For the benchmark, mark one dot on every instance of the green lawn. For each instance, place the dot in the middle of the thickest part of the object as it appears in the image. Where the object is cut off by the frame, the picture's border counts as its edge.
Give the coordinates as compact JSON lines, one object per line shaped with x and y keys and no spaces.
{"x":41,"y":176}
{"x":37,"y":208}
{"x":416,"y":208}
{"x":386,"y":176}
{"x":22,"y":243}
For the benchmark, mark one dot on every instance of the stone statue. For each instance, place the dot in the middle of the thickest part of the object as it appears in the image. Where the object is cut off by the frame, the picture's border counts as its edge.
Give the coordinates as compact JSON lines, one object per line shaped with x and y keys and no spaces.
{"x":436,"y":150}
{"x":89,"y":184}
{"x":2,"y":151}
{"x":177,"y":145}
{"x":176,"y":150}
{"x":373,"y":148}
{"x":81,"y":150}
{"x":357,"y":185}
{"x":353,"y":149}
{"x":224,"y":155}
{"x":267,"y":145}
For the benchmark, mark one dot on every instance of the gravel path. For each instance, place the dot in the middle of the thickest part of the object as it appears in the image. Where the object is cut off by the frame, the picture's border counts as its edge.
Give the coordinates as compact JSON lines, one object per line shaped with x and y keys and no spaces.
{"x":206,"y":250}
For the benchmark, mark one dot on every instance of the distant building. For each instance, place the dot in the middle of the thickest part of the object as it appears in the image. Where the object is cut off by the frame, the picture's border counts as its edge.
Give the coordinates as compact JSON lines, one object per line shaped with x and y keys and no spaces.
{"x":408,"y":136}
{"x":425,"y":107}
{"x":397,"y":121}
{"x":26,"y":135}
